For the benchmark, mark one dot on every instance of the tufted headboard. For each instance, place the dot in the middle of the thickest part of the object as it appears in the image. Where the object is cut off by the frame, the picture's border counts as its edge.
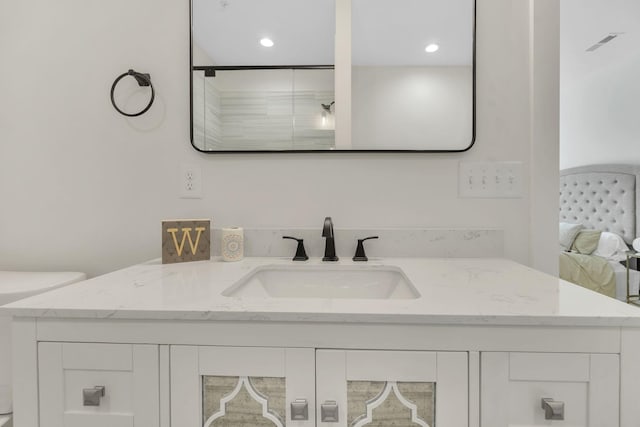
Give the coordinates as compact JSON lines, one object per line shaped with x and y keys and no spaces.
{"x":602,"y":197}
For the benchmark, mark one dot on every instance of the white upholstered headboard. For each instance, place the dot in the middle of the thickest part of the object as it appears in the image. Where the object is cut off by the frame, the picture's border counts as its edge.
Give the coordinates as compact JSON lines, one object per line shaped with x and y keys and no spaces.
{"x":602,"y":197}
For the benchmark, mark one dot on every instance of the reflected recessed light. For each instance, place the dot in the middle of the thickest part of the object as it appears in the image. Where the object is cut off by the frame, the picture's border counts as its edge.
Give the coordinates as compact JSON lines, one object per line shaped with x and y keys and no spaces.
{"x":431,"y":48}
{"x":266,"y":42}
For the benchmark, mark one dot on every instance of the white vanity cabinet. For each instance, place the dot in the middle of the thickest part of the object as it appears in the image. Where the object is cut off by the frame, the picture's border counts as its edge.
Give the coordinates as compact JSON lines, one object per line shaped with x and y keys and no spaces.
{"x":301,"y":387}
{"x":207,"y":385}
{"x":307,"y":387}
{"x":487,"y":340}
{"x":98,"y":385}
{"x":206,"y":374}
{"x":579,"y":389}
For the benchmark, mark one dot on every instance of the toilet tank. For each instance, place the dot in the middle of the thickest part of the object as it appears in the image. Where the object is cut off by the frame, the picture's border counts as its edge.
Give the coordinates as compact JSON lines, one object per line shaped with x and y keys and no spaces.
{"x":16,"y":285}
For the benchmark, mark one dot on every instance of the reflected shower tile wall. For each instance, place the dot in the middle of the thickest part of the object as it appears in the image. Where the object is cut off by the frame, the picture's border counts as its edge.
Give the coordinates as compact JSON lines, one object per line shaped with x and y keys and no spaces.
{"x":213,"y":125}
{"x":261,"y":120}
{"x":251,"y":119}
{"x":256,"y":119}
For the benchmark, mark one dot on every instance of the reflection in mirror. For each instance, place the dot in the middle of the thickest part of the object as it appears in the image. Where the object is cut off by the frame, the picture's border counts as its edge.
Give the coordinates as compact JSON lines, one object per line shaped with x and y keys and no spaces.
{"x":263,"y":75}
{"x":412,"y":74}
{"x":264,"y":109}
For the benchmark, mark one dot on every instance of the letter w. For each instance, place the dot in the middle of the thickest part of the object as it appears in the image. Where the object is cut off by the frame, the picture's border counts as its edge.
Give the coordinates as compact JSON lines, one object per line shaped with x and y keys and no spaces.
{"x":186,"y":235}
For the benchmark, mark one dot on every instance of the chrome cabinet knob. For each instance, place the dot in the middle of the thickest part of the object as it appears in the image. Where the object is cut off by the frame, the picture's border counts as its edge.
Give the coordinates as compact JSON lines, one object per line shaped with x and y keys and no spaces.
{"x":553,"y":410}
{"x":329,"y":411}
{"x":300,"y":410}
{"x":92,"y":396}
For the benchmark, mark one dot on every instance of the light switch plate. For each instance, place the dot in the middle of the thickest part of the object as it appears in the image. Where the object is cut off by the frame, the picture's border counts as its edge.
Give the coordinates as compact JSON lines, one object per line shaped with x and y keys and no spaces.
{"x":490,"y":179}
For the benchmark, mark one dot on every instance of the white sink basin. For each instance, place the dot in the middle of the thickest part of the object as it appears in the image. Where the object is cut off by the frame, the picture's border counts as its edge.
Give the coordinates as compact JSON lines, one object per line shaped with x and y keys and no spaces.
{"x":324,"y":281}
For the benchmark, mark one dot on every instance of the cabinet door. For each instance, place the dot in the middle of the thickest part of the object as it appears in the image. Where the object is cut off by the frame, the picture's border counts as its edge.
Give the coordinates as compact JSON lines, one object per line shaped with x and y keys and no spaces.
{"x":514,"y":384}
{"x":392,"y":388}
{"x":128,"y":373}
{"x":241,"y":386}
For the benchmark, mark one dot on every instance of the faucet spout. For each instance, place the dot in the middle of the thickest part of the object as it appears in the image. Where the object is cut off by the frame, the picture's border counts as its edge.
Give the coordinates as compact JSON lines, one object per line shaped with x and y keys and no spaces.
{"x":329,"y":245}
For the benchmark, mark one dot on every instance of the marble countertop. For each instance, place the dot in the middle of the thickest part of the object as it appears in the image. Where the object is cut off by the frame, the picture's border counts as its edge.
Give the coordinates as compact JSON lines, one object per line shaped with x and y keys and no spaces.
{"x":488,"y":291}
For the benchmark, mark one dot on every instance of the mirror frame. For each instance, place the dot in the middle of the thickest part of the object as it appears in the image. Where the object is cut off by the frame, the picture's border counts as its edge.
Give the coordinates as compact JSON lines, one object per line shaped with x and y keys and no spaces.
{"x":191,"y":69}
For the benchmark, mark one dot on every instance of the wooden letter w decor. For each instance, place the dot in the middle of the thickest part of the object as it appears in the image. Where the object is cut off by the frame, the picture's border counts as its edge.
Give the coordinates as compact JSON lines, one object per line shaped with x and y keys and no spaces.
{"x":197,"y":232}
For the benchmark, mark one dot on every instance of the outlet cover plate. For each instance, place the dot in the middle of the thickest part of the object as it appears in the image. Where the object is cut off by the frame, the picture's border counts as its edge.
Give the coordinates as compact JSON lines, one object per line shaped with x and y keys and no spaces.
{"x":190,"y":181}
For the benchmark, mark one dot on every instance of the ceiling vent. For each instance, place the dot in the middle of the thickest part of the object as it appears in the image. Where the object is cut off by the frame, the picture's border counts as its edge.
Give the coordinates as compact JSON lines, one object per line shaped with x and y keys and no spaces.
{"x":604,"y":41}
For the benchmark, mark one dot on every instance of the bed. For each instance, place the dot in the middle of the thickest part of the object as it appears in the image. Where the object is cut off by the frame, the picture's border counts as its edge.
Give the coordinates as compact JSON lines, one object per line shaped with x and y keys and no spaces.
{"x":604,"y":198}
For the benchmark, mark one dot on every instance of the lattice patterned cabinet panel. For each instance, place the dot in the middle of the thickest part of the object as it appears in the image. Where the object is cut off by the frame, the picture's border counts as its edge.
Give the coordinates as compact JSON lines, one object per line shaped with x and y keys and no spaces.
{"x":390,"y":403}
{"x":239,"y":401}
{"x":392,"y":388}
{"x":241,"y":386}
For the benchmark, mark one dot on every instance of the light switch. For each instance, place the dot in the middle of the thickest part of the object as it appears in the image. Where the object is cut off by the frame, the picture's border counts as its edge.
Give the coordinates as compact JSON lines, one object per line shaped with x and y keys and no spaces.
{"x":490,"y":179}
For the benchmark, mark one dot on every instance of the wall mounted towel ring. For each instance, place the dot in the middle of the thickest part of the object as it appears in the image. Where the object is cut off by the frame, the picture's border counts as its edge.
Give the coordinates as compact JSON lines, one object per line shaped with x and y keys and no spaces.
{"x":143,"y":80}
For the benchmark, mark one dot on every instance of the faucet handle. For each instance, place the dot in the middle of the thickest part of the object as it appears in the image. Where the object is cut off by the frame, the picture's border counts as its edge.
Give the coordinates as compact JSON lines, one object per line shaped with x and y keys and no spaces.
{"x":360,"y":255}
{"x":301,"y":254}
{"x":327,"y":228}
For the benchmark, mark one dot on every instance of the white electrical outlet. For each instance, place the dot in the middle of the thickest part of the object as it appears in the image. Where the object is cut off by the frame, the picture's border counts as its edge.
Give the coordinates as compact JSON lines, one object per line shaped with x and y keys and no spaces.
{"x":490,"y":179}
{"x":190,"y":181}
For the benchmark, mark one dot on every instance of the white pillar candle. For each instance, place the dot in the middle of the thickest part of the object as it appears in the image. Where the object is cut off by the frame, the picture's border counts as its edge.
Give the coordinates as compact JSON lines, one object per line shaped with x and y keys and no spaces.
{"x":232,"y":244}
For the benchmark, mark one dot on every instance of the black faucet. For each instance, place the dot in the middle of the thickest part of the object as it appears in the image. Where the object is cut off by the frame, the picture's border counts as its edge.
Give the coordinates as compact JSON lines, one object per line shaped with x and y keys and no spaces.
{"x":330,"y":244}
{"x":301,"y":254}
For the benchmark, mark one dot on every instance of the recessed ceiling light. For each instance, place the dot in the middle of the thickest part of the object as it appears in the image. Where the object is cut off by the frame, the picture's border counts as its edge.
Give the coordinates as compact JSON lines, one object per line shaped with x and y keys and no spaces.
{"x":266,"y":42}
{"x":431,"y":48}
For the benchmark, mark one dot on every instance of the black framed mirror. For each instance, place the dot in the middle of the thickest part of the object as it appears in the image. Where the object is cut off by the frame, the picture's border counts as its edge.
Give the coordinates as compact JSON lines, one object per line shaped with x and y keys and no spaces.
{"x":332,"y":75}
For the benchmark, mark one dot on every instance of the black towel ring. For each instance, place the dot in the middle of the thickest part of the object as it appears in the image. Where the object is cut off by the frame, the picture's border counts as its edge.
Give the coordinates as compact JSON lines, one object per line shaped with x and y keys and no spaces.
{"x":143,"y":80}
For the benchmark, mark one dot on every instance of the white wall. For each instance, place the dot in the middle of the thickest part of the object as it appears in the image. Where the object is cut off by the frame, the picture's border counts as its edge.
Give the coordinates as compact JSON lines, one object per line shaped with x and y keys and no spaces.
{"x":599,"y":116}
{"x":545,"y":125}
{"x":84,"y":188}
{"x":416,"y":108}
{"x":599,"y":90}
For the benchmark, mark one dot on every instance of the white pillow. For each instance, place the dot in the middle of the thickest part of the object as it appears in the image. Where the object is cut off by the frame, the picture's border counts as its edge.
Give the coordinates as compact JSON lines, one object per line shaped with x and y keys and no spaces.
{"x":568,"y":233}
{"x":611,"y":246}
